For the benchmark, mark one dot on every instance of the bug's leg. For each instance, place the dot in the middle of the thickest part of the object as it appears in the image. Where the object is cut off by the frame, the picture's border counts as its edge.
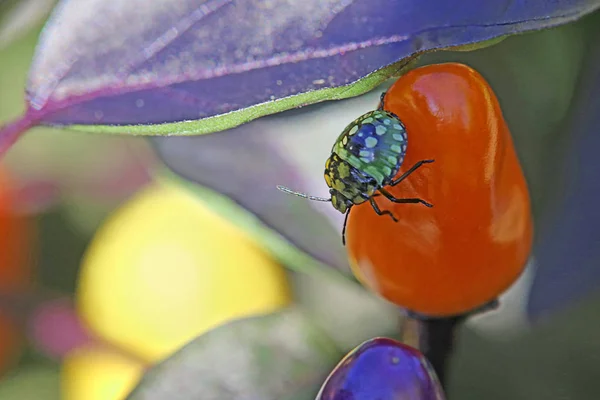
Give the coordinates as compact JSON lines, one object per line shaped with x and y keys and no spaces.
{"x":381,"y":98}
{"x":379,"y":212}
{"x":410,"y":171}
{"x":410,"y":200}
{"x":344,"y":228}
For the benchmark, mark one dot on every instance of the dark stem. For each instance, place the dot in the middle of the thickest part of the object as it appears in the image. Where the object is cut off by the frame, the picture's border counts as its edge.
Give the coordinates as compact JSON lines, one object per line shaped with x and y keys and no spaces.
{"x":436,"y":337}
{"x":436,"y":342}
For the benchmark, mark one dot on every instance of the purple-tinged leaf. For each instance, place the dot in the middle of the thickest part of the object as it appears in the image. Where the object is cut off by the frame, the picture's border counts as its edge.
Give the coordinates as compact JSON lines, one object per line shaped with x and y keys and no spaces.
{"x":247,"y":163}
{"x":87,"y":173}
{"x":241,"y":164}
{"x":532,"y":74}
{"x":55,"y":328}
{"x":189,"y":67}
{"x":382,"y":369}
{"x":280,"y":356}
{"x":568,"y":249}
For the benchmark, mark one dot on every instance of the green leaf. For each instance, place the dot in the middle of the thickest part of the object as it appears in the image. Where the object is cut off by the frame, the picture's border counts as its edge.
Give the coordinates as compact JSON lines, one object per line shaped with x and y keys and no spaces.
{"x":281,"y":356}
{"x":346,"y":311}
{"x":35,"y":382}
{"x":17,"y":17}
{"x":282,"y":249}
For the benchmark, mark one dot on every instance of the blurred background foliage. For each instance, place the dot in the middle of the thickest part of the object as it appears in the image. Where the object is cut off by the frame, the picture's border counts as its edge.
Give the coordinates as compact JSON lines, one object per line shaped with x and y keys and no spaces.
{"x":101,"y":191}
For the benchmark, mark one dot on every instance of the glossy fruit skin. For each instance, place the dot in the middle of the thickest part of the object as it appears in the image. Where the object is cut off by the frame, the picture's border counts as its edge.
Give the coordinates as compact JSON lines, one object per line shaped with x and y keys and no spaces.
{"x":475,"y":241}
{"x":382,"y":369}
{"x":366,"y":155}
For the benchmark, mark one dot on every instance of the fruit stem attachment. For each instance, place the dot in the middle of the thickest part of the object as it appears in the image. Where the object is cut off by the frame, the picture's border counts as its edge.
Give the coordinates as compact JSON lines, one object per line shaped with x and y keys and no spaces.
{"x":436,"y":337}
{"x":437,"y":342}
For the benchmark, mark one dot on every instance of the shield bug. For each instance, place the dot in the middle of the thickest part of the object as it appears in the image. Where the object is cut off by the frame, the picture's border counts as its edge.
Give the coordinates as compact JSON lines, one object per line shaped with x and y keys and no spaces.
{"x":364,"y":160}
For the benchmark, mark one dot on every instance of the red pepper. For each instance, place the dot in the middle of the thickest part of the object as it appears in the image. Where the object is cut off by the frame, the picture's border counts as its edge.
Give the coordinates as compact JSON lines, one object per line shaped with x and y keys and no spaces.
{"x":475,"y":241}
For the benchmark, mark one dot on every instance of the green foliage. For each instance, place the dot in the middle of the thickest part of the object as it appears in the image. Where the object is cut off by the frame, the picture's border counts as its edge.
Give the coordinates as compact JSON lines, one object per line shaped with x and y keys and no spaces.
{"x":281,"y":356}
{"x":33,"y":382}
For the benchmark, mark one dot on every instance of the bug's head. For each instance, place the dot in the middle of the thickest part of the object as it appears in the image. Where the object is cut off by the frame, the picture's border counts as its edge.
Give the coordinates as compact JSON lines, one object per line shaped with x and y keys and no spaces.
{"x":339,"y":201}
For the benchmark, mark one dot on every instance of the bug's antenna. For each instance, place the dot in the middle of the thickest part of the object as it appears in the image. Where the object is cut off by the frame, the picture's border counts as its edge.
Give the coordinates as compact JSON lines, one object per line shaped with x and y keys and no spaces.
{"x":304,"y":195}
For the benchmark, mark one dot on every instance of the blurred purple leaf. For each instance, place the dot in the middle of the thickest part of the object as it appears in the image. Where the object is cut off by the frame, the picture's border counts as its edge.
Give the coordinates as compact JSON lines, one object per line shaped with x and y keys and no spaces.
{"x":382,"y":369}
{"x":280,"y":356}
{"x":533,"y":75}
{"x":140,"y":64}
{"x":248,"y":172}
{"x":36,"y":197}
{"x":248,"y":162}
{"x":568,"y":248}
{"x":55,"y":328}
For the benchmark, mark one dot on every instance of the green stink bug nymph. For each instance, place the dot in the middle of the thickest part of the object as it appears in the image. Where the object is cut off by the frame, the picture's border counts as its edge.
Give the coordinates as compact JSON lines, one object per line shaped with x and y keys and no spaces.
{"x":364,"y":159}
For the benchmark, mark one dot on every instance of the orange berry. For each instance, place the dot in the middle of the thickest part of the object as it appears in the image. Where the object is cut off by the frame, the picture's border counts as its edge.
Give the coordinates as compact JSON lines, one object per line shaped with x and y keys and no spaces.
{"x":475,"y":241}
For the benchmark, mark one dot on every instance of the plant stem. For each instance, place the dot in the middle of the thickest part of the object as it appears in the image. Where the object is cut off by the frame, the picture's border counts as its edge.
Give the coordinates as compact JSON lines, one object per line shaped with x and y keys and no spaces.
{"x":436,"y":337}
{"x":436,"y":342}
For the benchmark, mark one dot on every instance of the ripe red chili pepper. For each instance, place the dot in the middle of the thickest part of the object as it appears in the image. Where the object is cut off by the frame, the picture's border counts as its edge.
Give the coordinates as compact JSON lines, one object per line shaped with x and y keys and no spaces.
{"x":475,"y":241}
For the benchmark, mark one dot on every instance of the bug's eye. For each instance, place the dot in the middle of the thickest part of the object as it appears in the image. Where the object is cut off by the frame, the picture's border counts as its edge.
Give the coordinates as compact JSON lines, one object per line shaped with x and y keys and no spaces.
{"x":334,"y":198}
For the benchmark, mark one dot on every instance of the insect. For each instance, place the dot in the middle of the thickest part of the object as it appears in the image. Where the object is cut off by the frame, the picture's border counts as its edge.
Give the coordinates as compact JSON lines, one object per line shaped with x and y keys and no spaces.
{"x":364,"y":159}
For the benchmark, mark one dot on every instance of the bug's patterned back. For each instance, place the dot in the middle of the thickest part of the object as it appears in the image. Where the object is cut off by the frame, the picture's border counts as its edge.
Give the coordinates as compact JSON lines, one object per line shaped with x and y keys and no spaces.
{"x":350,"y":186}
{"x":374,"y":144}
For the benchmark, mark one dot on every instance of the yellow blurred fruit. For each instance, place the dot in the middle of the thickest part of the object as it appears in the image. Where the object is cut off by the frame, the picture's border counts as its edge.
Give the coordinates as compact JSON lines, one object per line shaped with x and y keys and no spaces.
{"x":98,"y":374}
{"x":165,"y":268}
